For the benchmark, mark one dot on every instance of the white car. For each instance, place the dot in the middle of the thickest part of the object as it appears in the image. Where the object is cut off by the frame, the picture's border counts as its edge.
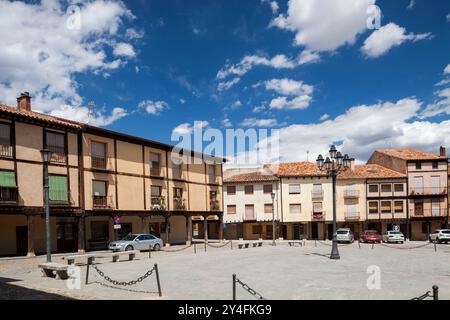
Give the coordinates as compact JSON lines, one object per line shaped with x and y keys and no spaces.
{"x":440,"y":235}
{"x":137,"y":242}
{"x":344,"y":235}
{"x":394,"y":236}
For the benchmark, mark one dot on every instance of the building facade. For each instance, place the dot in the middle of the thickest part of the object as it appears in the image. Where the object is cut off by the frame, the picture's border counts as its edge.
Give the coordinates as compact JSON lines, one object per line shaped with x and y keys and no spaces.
{"x":95,"y":175}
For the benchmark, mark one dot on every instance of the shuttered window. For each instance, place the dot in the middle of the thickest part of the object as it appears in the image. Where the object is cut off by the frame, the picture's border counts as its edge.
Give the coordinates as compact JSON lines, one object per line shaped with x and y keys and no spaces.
{"x":398,"y":206}
{"x":294,"y":189}
{"x":267,"y":188}
{"x":373,"y":206}
{"x":99,"y":188}
{"x":58,"y":189}
{"x":231,"y":190}
{"x":231,"y":209}
{"x":8,"y":179}
{"x":5,"y":134}
{"x":386,"y":206}
{"x":295,"y":208}
{"x":268,"y":208}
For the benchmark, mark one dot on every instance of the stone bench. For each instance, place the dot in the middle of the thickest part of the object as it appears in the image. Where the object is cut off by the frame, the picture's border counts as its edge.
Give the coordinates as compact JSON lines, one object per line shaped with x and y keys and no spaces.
{"x":293,"y":243}
{"x":257,"y":244}
{"x":243,"y":245}
{"x":131,"y":255}
{"x":71,"y":259}
{"x":53,"y":269}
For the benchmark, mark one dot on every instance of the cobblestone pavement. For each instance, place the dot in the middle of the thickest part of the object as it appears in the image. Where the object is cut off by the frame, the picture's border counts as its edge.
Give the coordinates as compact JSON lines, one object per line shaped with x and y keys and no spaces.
{"x":280,"y":272}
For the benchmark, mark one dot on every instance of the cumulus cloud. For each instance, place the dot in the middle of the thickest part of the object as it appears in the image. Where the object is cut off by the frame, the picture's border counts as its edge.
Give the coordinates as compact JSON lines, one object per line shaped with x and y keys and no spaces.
{"x":226,"y":123}
{"x":388,"y":37}
{"x":324,"y":117}
{"x":154,"y":107}
{"x":94,"y":118}
{"x":187,"y":128}
{"x":307,"y":56}
{"x":253,"y":122}
{"x":124,"y":50}
{"x":362,"y":129}
{"x":411,"y":5}
{"x":43,"y":49}
{"x":301,"y":92}
{"x":441,"y":105}
{"x":324,"y":25}
{"x":447,"y":69}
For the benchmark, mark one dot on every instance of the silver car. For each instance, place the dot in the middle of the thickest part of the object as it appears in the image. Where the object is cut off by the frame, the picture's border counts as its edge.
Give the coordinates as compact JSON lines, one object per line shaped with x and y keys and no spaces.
{"x":440,"y":235}
{"x":394,"y":236}
{"x":137,"y":242}
{"x":344,"y":235}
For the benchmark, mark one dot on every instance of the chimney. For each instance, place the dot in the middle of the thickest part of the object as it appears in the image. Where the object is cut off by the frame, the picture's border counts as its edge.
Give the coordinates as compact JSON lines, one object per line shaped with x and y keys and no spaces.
{"x":24,"y":101}
{"x":442,"y":151}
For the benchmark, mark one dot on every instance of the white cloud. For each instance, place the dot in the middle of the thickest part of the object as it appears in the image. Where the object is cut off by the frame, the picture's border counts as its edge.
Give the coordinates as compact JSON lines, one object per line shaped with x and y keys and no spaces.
{"x":288,"y":87}
{"x":131,"y":34}
{"x":448,"y":17}
{"x":182,"y":101}
{"x":81,"y":114}
{"x":124,"y":50}
{"x":324,"y":25}
{"x":273,"y":5}
{"x":153,"y":107}
{"x":225,"y":85}
{"x":307,"y":56}
{"x":226,"y":123}
{"x":447,"y":69}
{"x":363,"y":129}
{"x":387,"y":37}
{"x":42,"y":51}
{"x":441,"y":105}
{"x":188,"y":128}
{"x":324,"y":117}
{"x":258,"y":109}
{"x":236,"y":104}
{"x":253,"y":122}
{"x":411,"y":5}
{"x":300,"y":102}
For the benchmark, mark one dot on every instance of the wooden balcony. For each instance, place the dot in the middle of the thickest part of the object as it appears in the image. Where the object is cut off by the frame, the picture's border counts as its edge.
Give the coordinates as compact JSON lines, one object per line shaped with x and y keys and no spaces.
{"x":9,"y":195}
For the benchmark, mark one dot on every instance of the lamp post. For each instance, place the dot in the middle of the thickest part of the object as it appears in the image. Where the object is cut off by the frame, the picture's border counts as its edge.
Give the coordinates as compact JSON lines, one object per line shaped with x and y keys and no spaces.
{"x":46,"y":157}
{"x":334,"y":164}
{"x":273,"y":218}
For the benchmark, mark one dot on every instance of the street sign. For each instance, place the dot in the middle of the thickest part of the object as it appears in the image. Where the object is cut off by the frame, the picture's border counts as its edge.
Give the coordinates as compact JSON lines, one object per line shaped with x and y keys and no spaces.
{"x":117,"y":226}
{"x":116,"y":220}
{"x":396,"y":227}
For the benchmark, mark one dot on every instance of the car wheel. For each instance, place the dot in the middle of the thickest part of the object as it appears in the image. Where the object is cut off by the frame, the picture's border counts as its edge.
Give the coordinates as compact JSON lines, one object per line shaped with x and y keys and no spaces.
{"x":156,"y":247}
{"x":128,"y":248}
{"x":401,"y":242}
{"x":438,"y":241}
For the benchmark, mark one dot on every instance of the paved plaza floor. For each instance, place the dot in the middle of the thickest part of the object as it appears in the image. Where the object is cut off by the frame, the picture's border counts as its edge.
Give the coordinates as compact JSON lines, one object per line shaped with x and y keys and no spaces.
{"x":280,"y":272}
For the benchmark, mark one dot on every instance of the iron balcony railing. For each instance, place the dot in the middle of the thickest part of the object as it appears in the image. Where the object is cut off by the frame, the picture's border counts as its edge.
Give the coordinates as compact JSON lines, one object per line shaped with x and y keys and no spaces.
{"x":58,"y":153}
{"x":425,"y":191}
{"x":6,"y":151}
{"x":214,"y":205}
{"x":158,"y":203}
{"x":318,"y":216}
{"x":101,"y":202}
{"x":436,"y":212}
{"x":9,"y":195}
{"x":179,"y":203}
{"x":351,"y":193}
{"x":349,"y":215}
{"x":98,"y":163}
{"x":315,"y":194}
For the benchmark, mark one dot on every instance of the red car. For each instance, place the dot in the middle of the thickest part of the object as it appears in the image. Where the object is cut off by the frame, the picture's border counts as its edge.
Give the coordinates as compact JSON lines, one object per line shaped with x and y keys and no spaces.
{"x":370,"y":236}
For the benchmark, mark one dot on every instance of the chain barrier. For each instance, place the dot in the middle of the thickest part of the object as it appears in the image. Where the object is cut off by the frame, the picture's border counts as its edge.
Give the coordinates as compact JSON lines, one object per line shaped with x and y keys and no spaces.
{"x":406,"y":248}
{"x":339,"y":244}
{"x":428,"y":294}
{"x":178,"y":250}
{"x":124,"y":289}
{"x":219,"y":246}
{"x":123,"y":283}
{"x":246,"y":287}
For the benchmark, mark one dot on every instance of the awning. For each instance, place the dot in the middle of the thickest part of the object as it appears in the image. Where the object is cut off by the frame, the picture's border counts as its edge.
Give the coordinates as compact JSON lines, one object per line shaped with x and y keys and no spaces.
{"x":8,"y":179}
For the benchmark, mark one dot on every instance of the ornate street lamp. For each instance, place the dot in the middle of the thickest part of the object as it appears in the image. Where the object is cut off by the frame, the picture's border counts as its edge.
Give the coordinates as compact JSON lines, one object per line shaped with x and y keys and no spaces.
{"x":333,"y":165}
{"x":273,"y":218}
{"x":46,"y":157}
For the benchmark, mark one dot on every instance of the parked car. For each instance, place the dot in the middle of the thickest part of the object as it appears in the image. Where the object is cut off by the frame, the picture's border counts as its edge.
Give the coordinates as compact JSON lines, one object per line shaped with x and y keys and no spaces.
{"x":137,"y":242}
{"x":440,"y":235}
{"x":394,"y":236}
{"x":370,"y":236}
{"x":344,"y":235}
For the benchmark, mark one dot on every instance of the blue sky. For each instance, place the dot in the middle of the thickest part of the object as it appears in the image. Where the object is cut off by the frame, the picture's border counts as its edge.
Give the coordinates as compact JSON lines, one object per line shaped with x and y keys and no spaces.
{"x":167,"y":75}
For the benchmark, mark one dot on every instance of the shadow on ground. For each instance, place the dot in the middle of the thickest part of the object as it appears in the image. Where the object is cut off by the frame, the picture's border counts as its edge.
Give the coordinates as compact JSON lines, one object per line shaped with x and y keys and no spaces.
{"x":11,"y":291}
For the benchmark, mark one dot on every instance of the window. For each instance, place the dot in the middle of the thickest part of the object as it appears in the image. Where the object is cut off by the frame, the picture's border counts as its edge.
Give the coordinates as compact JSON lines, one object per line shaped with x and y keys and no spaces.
{"x":56,"y":143}
{"x":386,"y":188}
{"x":398,"y":187}
{"x":295,"y":208}
{"x":267,"y":188}
{"x":435,"y":208}
{"x":386,"y":207}
{"x":177,"y":171}
{"x":231,"y":209}
{"x":214,"y":203}
{"x":212,"y":173}
{"x":398,"y":206}
{"x":248,"y":189}
{"x":178,"y":201}
{"x":317,"y":207}
{"x":317,"y":190}
{"x":6,"y":149}
{"x":99,"y":193}
{"x":98,"y":158}
{"x":373,"y":207}
{"x":435,"y":165}
{"x":249,"y":212}
{"x":231,"y":190}
{"x":156,"y":191}
{"x":424,"y":227}
{"x":157,"y":201}
{"x":155,"y":164}
{"x":8,"y":186}
{"x":256,"y":229}
{"x":435,"y":184}
{"x":268,"y":208}
{"x":178,"y":192}
{"x":418,"y":184}
{"x":294,"y":189}
{"x":58,"y":191}
{"x":418,"y":165}
{"x":373,"y":188}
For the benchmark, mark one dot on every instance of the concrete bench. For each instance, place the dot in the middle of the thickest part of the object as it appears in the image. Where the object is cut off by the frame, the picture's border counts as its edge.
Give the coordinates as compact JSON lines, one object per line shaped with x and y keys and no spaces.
{"x":53,"y":269}
{"x":257,"y":244}
{"x":71,"y":259}
{"x":293,"y":243}
{"x":243,"y":245}
{"x":131,"y":255}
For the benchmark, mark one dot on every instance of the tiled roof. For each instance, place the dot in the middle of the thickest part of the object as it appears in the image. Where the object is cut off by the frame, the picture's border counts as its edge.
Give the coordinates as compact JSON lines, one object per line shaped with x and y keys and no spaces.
{"x":410,"y":154}
{"x":293,"y":169}
{"x":251,"y":177}
{"x":39,"y":116}
{"x":367,"y":171}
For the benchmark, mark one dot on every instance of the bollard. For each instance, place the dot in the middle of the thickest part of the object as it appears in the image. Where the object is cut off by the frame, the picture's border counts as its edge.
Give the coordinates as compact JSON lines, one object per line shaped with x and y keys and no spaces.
{"x":157,"y":280}
{"x":435,"y":248}
{"x":435,"y":292}
{"x":372,"y":245}
{"x":149,"y":251}
{"x":359,"y":244}
{"x":195,"y":247}
{"x":205,"y":245}
{"x":234,"y":286}
{"x":315,"y":243}
{"x":231,"y":241}
{"x":87,"y":271}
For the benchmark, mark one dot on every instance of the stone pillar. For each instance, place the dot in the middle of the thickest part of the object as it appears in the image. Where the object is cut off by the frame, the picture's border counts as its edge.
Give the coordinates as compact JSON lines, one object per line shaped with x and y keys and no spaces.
{"x":188,"y":230}
{"x":205,"y":229}
{"x":81,"y":234}
{"x":220,"y":227}
{"x":30,"y":231}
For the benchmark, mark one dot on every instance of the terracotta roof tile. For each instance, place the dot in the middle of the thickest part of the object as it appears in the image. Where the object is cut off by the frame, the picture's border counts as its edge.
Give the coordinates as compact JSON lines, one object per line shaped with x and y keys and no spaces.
{"x":410,"y":154}
{"x":295,"y":169}
{"x":367,"y":171}
{"x":40,"y":116}
{"x":251,"y":177}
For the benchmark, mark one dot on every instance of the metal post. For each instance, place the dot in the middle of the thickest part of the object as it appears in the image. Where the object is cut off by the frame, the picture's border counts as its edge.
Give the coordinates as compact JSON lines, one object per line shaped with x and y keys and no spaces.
{"x":234,"y":286}
{"x":149,"y":251}
{"x":273,"y":219}
{"x":435,"y":292}
{"x":87,"y":271}
{"x":372,"y":245}
{"x":205,"y":245}
{"x":334,"y":249}
{"x":231,"y":241}
{"x":157,"y":280}
{"x":47,"y":214}
{"x":195,"y":247}
{"x":435,"y":248}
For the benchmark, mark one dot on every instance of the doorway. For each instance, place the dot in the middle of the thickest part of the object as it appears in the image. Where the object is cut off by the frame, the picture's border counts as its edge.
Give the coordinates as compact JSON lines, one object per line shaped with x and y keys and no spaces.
{"x":314,"y":230}
{"x":330,"y":231}
{"x":155,"y":229}
{"x":125,"y":229}
{"x":21,"y":240}
{"x":67,"y":236}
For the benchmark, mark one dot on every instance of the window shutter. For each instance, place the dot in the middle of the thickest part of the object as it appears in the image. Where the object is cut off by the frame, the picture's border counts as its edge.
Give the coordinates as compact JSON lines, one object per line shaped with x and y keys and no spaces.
{"x":8,"y":179}
{"x":58,"y":188}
